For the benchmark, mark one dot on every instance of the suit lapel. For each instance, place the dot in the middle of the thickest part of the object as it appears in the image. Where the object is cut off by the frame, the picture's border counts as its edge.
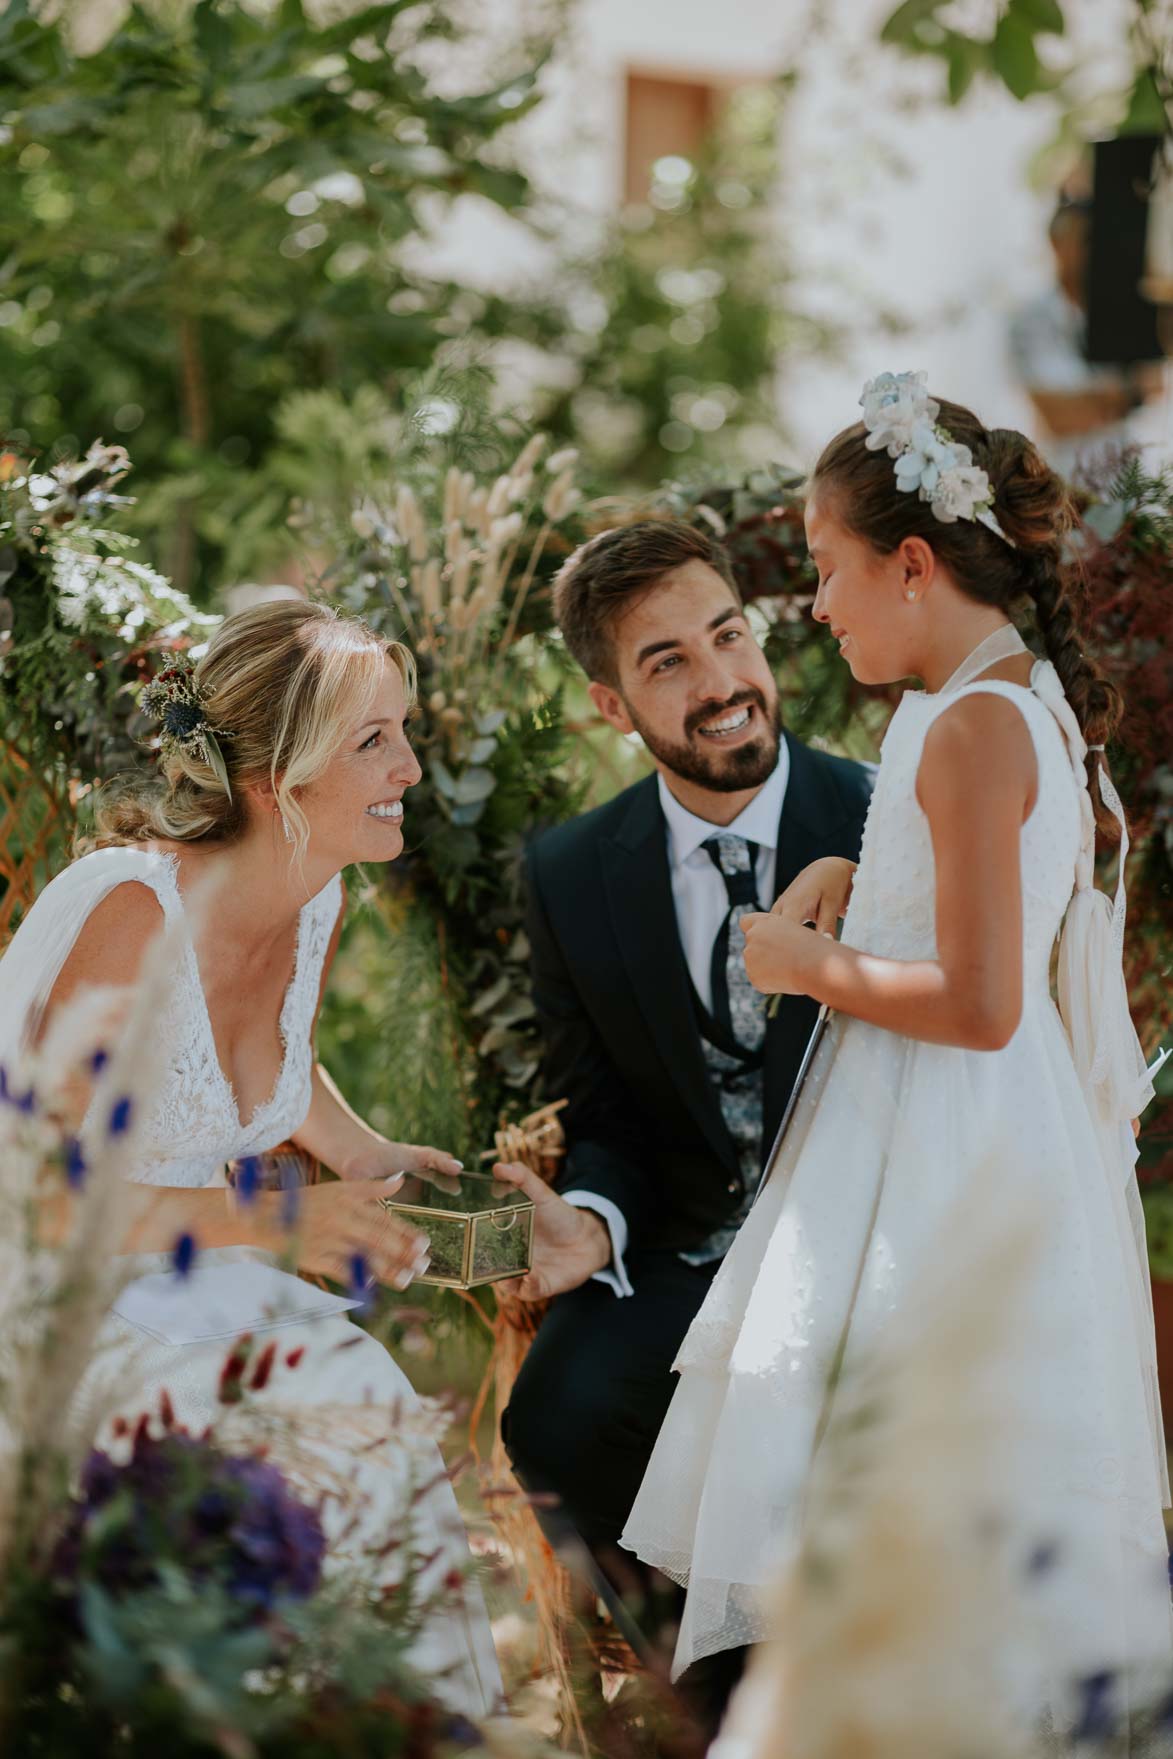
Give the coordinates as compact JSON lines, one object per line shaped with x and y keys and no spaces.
{"x":811,"y":813}
{"x":643,"y":917}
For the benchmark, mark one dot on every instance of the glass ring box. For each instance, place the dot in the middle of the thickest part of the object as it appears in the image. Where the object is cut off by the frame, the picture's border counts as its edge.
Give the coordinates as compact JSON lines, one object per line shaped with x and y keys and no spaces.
{"x":479,"y":1230}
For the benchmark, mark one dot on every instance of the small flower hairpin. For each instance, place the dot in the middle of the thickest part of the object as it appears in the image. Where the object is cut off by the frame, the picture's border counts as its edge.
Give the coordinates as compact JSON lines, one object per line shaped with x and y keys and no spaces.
{"x":901,"y":419}
{"x":175,"y":700}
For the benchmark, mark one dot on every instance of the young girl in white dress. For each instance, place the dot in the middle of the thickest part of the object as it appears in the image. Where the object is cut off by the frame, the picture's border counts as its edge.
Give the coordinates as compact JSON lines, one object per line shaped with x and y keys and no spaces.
{"x":945,"y":1062}
{"x":285,"y":759}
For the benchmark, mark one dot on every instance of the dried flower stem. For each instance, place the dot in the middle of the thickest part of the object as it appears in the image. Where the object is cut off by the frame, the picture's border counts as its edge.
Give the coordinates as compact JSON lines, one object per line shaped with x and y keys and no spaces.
{"x":522,"y":593}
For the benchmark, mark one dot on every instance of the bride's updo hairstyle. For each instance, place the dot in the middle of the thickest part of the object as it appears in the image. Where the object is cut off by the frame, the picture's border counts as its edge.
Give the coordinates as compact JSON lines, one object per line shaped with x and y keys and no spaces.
{"x":1031,"y":505}
{"x":282,"y":685}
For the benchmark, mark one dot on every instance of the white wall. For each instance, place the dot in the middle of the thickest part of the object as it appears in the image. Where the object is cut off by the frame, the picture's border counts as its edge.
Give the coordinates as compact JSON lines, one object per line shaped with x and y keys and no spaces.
{"x":912,"y":224}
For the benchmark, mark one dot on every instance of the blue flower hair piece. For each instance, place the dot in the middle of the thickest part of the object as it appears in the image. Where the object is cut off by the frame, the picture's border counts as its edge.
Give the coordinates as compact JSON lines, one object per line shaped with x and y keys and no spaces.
{"x":901,"y":419}
{"x":174,"y":699}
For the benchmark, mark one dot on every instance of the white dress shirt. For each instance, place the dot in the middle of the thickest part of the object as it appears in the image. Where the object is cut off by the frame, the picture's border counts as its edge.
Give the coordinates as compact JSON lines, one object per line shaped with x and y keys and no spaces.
{"x":701,"y":900}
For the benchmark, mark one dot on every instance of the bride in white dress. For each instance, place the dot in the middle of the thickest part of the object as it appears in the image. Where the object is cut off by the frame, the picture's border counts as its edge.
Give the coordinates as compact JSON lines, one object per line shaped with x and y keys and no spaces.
{"x":286,"y":759}
{"x":945,"y":1066}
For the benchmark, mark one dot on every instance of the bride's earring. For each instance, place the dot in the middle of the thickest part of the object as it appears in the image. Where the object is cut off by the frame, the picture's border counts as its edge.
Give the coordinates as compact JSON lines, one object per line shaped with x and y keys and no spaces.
{"x":910,"y":595}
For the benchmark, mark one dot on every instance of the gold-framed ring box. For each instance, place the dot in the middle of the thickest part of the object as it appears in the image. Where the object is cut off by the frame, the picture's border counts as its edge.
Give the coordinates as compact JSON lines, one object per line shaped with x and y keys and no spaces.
{"x":479,"y":1230}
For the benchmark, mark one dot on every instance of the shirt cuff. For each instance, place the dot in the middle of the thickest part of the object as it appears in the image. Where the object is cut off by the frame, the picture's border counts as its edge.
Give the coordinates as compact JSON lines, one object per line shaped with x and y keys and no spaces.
{"x":615,"y":1276}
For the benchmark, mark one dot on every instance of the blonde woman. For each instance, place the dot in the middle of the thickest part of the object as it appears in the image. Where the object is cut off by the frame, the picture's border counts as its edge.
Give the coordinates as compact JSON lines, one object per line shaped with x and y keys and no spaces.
{"x":285,"y":759}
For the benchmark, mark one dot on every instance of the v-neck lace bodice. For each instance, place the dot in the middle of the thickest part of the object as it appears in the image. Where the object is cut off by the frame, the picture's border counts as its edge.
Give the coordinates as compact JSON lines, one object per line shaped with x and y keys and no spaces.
{"x":194,"y":1125}
{"x":197,"y":1104}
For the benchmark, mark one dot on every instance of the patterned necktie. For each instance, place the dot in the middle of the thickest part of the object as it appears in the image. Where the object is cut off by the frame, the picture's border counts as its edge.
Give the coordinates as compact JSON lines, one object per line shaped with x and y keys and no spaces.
{"x":737,"y":1005}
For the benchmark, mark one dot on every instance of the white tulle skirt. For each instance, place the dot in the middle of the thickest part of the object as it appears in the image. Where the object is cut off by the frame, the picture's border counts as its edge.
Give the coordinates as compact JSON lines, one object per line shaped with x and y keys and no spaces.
{"x":889,"y":1137}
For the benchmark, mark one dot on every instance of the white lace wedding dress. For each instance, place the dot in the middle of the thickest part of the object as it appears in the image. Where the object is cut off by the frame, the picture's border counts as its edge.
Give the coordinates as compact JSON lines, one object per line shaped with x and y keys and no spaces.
{"x":193,"y":1129}
{"x":888,"y":1135}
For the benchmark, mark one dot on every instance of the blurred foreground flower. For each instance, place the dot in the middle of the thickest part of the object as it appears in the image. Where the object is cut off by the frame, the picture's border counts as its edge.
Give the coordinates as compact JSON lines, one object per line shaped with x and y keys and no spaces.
{"x":913,"y":1617}
{"x":179,"y":1502}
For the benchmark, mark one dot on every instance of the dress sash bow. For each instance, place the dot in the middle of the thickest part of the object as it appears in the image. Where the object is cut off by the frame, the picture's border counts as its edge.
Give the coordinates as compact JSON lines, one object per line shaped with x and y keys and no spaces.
{"x":1093,"y":997}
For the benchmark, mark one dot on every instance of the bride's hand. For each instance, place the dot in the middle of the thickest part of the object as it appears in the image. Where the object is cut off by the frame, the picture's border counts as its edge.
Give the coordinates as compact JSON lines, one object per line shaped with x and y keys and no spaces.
{"x":384,"y":1159}
{"x":775,"y":954}
{"x":338,"y":1223}
{"x":820,"y":895}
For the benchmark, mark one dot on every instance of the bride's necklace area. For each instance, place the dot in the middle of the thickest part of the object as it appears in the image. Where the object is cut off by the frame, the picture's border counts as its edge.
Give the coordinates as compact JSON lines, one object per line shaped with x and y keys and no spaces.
{"x":1004,"y":644}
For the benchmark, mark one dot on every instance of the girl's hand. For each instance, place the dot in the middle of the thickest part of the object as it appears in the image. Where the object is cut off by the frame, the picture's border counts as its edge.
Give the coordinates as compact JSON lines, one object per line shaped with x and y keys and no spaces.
{"x":338,"y":1222}
{"x":776,"y":954}
{"x":820,"y":895}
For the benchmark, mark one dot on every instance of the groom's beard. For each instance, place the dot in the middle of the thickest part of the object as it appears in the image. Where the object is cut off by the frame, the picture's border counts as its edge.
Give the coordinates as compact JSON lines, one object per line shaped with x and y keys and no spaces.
{"x":725,"y":772}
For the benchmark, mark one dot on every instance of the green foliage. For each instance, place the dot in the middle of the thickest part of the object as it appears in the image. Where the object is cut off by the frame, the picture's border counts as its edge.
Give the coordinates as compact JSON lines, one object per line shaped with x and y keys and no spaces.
{"x":393,"y":1028}
{"x":1008,"y":53}
{"x":206,"y":215}
{"x":168,"y":1667}
{"x":1148,"y":110}
{"x":82,"y":623}
{"x":681,"y":313}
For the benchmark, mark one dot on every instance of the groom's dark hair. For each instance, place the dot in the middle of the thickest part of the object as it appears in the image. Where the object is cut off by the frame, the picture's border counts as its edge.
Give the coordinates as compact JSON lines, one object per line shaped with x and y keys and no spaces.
{"x":610,"y":572}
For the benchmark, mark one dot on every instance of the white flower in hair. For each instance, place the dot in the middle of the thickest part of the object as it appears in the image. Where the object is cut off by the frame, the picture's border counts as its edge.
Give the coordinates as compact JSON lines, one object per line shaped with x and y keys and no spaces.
{"x":927,"y":458}
{"x":897,"y":409}
{"x":901,"y":417}
{"x":963,"y":493}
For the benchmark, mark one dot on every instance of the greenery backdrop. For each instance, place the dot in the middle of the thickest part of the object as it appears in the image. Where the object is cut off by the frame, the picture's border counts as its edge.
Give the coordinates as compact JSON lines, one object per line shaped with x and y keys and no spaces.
{"x":210,"y":232}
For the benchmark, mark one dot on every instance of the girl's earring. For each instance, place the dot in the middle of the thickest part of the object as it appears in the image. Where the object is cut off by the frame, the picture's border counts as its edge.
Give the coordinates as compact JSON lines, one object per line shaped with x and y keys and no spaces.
{"x":285,"y":826}
{"x":910,"y":595}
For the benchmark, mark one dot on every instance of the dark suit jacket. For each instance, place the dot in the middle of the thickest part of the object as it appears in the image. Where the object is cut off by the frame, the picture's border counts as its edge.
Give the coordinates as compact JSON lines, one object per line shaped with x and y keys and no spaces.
{"x":644,"y":1126}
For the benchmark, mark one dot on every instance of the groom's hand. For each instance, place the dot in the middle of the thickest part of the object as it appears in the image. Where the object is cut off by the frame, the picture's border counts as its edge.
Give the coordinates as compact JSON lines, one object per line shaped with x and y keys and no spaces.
{"x":570,"y":1244}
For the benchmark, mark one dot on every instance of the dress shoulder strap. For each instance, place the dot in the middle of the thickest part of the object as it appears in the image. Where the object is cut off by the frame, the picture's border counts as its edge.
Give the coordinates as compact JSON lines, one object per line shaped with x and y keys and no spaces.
{"x":37,"y":951}
{"x":1033,"y":712}
{"x":316,"y":925}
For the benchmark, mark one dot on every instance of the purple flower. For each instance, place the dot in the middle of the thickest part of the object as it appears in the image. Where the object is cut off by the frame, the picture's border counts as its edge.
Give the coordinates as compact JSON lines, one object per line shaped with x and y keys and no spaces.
{"x":120,"y":1115}
{"x":182,"y":719}
{"x":463,"y":1733}
{"x":248,"y":1178}
{"x":183,"y":1255}
{"x":360,"y":1279}
{"x":290,"y":1198}
{"x":24,"y":1102}
{"x":1043,"y":1558}
{"x":75,"y":1163}
{"x":98,"y":1061}
{"x":179,"y":1501}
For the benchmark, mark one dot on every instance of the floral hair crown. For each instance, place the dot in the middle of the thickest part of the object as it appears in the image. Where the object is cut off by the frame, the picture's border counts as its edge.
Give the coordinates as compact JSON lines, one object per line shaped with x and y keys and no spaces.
{"x":175,"y":700}
{"x":901,"y":417}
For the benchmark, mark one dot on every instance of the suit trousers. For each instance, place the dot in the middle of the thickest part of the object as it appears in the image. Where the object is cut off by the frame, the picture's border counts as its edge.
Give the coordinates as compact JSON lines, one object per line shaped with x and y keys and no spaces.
{"x":581,"y":1425}
{"x":594,"y":1389}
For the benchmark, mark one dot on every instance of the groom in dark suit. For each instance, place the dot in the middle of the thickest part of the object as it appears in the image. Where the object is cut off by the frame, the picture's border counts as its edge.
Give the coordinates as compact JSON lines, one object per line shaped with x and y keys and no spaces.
{"x":676,"y":1078}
